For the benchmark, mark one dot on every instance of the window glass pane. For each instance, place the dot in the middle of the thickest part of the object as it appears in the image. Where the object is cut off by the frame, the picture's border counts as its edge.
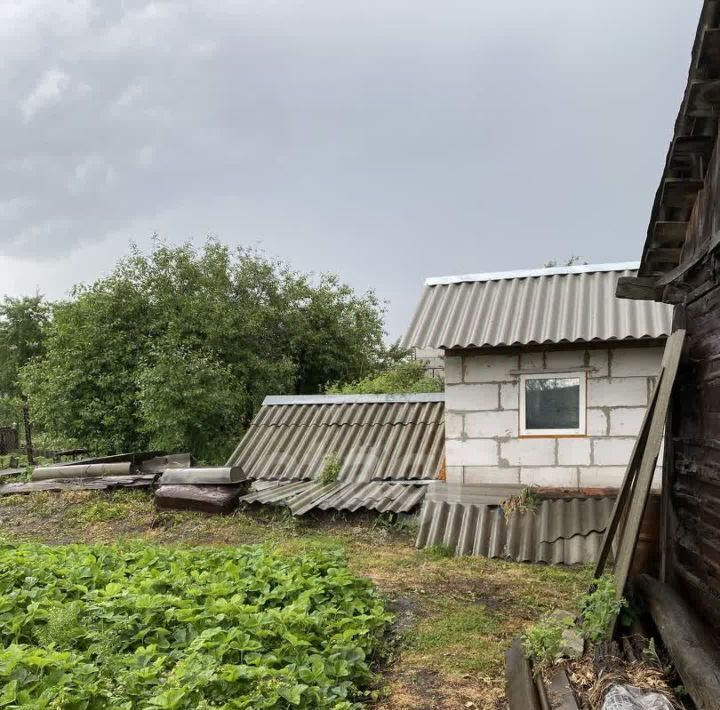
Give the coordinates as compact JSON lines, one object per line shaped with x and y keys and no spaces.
{"x":552,"y":403}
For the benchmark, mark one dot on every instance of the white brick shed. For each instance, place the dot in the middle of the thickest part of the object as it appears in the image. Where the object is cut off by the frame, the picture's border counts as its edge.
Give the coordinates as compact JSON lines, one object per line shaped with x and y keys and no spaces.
{"x":547,"y":373}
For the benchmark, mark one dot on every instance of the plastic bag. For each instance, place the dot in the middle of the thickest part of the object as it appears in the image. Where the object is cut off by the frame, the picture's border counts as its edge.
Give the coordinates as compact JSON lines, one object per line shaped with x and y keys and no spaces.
{"x":628,"y":697}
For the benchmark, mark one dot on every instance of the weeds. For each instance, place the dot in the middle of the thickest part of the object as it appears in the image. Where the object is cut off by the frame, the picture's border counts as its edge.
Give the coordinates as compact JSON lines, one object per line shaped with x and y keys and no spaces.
{"x":526,"y":502}
{"x":439,"y":552}
{"x":599,"y":608}
{"x":332,"y":466}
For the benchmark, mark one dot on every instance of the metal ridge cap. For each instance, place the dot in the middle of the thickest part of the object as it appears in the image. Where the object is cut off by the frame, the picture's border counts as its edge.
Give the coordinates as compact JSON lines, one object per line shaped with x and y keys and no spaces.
{"x":274,"y":400}
{"x":530,"y":273}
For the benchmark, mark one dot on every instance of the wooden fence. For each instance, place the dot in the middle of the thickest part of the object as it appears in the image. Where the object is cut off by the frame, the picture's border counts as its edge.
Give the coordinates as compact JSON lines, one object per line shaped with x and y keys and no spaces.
{"x":8,"y":439}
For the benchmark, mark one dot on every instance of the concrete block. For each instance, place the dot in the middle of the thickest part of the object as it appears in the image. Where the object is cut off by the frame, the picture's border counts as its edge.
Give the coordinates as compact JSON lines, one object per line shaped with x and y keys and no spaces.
{"x":471,"y":452}
{"x":636,"y":362}
{"x":454,"y":474}
{"x":528,"y":452}
{"x":597,"y":422}
{"x":453,"y":369}
{"x":626,"y":421}
{"x":612,"y":451}
{"x":574,"y":452}
{"x":599,"y":361}
{"x":601,"y":476}
{"x":471,"y":398}
{"x":489,"y":368}
{"x":559,"y":359}
{"x":491,"y":474}
{"x":484,"y":425}
{"x":617,"y":392}
{"x":532,"y":360}
{"x":555,"y":476}
{"x":509,"y":396}
{"x":454,"y":425}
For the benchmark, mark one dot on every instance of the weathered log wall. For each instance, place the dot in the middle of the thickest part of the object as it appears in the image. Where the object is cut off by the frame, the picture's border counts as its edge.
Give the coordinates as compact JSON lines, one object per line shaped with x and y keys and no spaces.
{"x":693,"y":498}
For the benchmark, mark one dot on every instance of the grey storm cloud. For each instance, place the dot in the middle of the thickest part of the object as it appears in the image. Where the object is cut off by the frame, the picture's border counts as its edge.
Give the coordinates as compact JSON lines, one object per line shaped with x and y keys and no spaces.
{"x":385,"y":140}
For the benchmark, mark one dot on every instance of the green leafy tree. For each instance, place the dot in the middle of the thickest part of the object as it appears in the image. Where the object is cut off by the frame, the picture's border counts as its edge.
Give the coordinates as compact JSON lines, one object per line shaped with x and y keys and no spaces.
{"x":23,"y":324}
{"x":401,"y":378}
{"x":178,"y":347}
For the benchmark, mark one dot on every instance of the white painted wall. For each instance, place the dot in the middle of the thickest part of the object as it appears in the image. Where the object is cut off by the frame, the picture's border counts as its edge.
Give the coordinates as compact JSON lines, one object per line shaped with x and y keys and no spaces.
{"x":482,"y":417}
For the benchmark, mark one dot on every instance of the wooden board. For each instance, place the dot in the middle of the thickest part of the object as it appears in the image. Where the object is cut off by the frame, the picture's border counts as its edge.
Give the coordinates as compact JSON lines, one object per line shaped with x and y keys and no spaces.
{"x":520,"y":688}
{"x":208,"y":499}
{"x":641,"y":489}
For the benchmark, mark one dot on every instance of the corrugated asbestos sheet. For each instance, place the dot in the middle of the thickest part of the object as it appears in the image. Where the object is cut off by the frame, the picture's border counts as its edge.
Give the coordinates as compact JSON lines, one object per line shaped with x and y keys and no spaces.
{"x":302,"y":497}
{"x":375,"y":438}
{"x":382,"y":443}
{"x":565,"y":531}
{"x":566,"y":305}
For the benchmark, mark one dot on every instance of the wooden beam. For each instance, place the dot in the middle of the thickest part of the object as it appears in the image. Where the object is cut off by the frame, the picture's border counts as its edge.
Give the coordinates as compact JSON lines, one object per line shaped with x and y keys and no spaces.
{"x":520,"y":689}
{"x":680,"y":193}
{"x":688,"y":639}
{"x":703,"y":99}
{"x":668,"y":255}
{"x":639,"y":288}
{"x":693,"y":145}
{"x":669,"y":233}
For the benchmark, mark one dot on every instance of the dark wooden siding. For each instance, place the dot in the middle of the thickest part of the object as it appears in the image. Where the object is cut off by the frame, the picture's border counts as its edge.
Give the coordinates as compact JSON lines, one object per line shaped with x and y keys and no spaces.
{"x":694,"y":436}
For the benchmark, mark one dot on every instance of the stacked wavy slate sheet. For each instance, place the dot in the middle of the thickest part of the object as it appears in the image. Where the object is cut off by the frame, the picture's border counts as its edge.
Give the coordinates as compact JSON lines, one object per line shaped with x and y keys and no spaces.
{"x":559,"y":531}
{"x":389,"y":447}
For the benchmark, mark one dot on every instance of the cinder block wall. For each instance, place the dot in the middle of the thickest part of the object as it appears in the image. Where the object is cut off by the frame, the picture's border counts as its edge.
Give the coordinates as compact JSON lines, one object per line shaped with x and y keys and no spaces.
{"x":482,"y":417}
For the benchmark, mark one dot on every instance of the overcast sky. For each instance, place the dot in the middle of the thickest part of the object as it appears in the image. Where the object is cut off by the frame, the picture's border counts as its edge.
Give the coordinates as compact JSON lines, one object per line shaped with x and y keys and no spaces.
{"x":384,"y":140}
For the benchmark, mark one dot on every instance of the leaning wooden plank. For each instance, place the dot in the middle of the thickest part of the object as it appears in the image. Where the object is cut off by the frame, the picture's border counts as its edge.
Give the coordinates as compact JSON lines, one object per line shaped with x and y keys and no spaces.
{"x":79,"y":484}
{"x":626,"y":488}
{"x":643,"y":483}
{"x":45,"y":473}
{"x":203,"y":476}
{"x":689,"y":641}
{"x":520,"y":688}
{"x":208,"y":499}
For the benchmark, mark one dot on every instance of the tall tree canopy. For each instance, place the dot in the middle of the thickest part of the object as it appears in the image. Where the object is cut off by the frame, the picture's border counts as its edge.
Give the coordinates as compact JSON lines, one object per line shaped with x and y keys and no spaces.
{"x":177,"y":348}
{"x":23,"y":322}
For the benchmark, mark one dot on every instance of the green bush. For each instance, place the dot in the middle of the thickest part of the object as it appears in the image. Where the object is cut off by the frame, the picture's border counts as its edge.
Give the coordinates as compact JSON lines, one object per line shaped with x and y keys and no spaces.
{"x":92,"y":626}
{"x":401,"y":378}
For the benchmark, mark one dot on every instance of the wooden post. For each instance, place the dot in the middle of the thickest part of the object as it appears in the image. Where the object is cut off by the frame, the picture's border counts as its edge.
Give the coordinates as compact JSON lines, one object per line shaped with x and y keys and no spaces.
{"x":28,"y":432}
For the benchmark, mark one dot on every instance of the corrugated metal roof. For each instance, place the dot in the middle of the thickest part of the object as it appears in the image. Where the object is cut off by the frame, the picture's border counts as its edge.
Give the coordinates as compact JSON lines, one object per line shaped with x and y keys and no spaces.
{"x":303,"y":497}
{"x":567,"y":305}
{"x":398,"y":439}
{"x":567,"y":531}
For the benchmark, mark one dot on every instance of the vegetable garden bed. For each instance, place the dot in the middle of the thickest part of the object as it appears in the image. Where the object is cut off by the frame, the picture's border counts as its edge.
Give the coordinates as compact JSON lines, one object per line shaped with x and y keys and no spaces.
{"x":95,"y":626}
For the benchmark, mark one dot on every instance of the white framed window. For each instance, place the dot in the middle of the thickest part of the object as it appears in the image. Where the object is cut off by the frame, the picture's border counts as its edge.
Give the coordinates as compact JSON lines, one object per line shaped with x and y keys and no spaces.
{"x":553,"y":404}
